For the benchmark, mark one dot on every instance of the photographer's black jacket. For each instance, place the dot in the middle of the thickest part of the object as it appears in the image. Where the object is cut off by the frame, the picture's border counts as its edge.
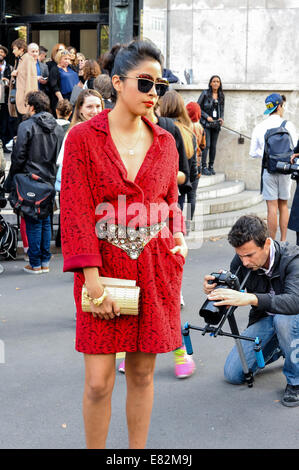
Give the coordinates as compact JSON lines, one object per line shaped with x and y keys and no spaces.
{"x":38,"y":143}
{"x":284,"y":280}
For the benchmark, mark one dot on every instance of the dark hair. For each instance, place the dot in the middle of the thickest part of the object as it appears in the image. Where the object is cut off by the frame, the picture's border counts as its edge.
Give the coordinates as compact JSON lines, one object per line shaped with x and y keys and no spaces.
{"x":43,"y":49}
{"x":103,"y":85}
{"x":20,"y":44}
{"x":283,"y":97}
{"x":123,"y":58}
{"x":39,"y":100}
{"x":4,"y":49}
{"x":247,"y":228}
{"x":220,"y":91}
{"x":64,"y":108}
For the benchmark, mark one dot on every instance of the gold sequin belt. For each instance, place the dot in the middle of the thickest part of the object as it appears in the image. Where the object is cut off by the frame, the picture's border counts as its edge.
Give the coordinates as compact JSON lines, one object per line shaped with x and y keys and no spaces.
{"x":129,"y":239}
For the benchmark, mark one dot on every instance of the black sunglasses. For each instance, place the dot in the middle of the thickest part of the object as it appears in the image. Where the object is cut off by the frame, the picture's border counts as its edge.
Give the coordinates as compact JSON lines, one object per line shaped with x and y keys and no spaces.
{"x":146,"y":83}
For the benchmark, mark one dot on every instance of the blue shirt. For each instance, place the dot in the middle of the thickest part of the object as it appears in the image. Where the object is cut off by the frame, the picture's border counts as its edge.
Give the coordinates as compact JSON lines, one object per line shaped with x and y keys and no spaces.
{"x":67,"y":80}
{"x":38,"y":72}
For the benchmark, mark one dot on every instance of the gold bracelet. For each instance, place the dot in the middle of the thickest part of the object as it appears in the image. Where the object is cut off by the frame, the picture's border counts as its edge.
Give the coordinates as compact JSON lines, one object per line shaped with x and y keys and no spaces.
{"x":99,"y":300}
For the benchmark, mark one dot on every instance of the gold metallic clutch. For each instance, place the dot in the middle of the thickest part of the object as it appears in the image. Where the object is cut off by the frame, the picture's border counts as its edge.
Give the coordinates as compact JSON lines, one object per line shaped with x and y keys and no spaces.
{"x":123,"y":291}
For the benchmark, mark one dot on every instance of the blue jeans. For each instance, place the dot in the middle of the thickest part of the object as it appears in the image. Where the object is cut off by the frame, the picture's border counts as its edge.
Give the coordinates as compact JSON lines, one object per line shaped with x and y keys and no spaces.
{"x":280,"y":336}
{"x":39,"y":240}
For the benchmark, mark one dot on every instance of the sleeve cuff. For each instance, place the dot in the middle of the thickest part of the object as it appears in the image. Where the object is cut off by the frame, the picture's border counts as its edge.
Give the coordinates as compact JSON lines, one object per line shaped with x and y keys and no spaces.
{"x":78,"y":262}
{"x":264,"y":301}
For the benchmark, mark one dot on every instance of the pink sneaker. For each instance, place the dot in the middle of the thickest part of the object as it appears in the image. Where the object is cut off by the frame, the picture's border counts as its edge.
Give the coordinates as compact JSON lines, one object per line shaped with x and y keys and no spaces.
{"x":121,"y":367}
{"x":183,"y":364}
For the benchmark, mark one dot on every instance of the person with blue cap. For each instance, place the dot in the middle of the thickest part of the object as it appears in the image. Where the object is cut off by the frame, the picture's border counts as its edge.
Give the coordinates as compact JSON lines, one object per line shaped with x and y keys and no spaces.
{"x":275,"y":186}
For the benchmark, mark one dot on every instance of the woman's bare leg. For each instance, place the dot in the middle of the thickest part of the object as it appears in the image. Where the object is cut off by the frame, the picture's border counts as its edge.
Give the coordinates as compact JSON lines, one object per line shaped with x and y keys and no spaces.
{"x":272,"y":207}
{"x":283,"y":218}
{"x":99,"y":383}
{"x":140,"y":395}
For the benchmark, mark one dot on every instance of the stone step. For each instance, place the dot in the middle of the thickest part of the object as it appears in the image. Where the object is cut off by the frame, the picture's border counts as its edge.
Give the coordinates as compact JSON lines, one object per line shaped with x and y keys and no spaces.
{"x":211,"y":180}
{"x":223,"y":189}
{"x":230,"y":203}
{"x":216,"y":226}
{"x":227,"y":219}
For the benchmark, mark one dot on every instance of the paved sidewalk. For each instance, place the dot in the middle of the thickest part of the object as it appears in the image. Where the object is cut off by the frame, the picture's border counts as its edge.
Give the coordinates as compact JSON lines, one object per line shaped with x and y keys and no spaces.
{"x":42,"y":377}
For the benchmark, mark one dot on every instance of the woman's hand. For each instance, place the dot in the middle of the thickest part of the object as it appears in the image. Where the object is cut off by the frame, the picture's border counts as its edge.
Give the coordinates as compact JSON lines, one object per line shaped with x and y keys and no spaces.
{"x":95,"y":289}
{"x":181,"y":177}
{"x":221,"y":121}
{"x":180,"y":245}
{"x":107,"y":310}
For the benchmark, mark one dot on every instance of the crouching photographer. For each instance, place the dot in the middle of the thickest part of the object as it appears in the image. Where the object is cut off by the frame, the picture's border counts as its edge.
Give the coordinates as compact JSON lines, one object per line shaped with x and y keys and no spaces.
{"x":272,"y":290}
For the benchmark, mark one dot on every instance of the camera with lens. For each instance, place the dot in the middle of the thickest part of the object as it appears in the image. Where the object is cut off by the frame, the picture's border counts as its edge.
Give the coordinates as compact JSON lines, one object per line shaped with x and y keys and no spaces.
{"x":289,"y":168}
{"x":224,"y":280}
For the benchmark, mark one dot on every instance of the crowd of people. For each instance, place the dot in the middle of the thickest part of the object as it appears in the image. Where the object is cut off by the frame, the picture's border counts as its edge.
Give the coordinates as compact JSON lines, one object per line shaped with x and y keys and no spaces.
{"x":61,"y":79}
{"x":97,"y":130}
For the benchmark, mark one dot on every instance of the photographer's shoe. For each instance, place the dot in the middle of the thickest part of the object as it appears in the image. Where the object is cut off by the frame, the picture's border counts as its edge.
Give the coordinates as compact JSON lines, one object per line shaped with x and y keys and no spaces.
{"x":205,"y":171}
{"x":183,"y":364}
{"x":212,"y":171}
{"x":291,"y":395}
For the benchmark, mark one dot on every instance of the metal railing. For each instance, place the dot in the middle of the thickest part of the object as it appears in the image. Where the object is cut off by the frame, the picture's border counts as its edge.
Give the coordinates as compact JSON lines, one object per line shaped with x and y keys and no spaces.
{"x":240,"y":134}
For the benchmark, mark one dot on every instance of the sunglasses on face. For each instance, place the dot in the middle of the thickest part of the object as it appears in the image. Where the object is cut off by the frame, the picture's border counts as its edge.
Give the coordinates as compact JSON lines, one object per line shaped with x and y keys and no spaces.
{"x":146,"y":83}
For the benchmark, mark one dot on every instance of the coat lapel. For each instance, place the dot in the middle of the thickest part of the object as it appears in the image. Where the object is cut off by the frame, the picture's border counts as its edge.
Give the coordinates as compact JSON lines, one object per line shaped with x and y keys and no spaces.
{"x":100,"y":123}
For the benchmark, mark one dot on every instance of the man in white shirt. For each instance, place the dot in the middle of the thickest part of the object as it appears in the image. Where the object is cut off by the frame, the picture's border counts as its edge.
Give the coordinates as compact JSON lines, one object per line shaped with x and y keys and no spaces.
{"x":276,"y":186}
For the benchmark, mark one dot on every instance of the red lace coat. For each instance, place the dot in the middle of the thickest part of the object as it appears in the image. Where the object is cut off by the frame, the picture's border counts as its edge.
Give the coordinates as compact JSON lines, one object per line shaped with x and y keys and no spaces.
{"x":93,"y":173}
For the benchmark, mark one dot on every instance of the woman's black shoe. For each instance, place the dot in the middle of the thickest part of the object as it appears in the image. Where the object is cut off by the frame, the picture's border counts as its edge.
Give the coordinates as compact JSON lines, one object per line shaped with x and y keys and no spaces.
{"x":211,"y":170}
{"x":205,"y":171}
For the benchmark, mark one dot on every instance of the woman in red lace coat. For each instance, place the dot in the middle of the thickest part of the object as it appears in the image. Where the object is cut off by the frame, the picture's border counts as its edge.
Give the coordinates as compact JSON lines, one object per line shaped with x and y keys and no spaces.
{"x":122,"y":160}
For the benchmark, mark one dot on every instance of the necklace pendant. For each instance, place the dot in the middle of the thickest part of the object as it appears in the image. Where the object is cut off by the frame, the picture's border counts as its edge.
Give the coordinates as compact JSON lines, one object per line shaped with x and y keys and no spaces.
{"x":131,"y":152}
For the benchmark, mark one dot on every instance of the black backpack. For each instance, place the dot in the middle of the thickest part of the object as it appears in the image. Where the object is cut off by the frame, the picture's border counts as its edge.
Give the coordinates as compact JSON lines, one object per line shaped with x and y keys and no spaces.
{"x":279,"y":147}
{"x":32,"y":196}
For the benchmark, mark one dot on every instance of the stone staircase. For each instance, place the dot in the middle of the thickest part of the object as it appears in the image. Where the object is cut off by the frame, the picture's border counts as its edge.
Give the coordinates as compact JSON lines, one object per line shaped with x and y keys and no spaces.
{"x":219,"y":204}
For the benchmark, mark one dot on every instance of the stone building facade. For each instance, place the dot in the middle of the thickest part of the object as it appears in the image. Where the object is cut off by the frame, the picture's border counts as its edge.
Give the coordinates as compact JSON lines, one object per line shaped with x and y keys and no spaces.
{"x":251,"y":44}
